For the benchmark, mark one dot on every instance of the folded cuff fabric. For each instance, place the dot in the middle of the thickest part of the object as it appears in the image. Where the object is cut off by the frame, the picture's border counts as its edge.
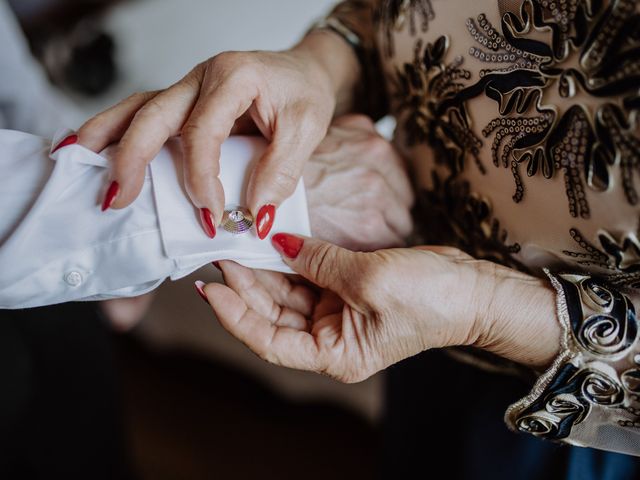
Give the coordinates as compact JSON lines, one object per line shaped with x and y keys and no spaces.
{"x":590,"y":396}
{"x":178,"y":219}
{"x":57,"y":246}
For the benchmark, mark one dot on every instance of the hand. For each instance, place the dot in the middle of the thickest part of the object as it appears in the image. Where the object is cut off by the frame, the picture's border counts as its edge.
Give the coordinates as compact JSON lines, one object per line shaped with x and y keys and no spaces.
{"x":124,"y":314}
{"x":289,"y":97}
{"x":374,"y":309}
{"x":358,"y":191}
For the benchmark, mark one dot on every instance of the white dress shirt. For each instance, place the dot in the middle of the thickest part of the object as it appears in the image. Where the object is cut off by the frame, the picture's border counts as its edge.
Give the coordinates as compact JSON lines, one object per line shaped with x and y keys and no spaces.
{"x":57,"y":246}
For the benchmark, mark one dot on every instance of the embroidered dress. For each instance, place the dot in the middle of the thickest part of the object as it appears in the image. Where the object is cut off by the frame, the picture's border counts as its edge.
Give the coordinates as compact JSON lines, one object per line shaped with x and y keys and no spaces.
{"x":520,"y":120}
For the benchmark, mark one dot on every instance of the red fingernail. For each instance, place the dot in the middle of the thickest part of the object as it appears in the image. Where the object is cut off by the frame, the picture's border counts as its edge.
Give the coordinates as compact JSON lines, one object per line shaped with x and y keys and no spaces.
{"x":264,"y":221}
{"x":199,"y":285}
{"x":217,"y":265}
{"x":287,"y":245}
{"x":70,"y":140}
{"x":110,"y":196}
{"x":207,"y":222}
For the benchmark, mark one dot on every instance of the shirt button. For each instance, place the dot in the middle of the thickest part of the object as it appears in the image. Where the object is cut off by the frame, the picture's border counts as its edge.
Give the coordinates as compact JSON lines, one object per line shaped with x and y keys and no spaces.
{"x":73,"y":278}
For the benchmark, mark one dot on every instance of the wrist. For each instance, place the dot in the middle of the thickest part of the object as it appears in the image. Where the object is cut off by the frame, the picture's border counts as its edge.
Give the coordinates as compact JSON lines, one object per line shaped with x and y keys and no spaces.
{"x":331,"y":60}
{"x":518,"y":320}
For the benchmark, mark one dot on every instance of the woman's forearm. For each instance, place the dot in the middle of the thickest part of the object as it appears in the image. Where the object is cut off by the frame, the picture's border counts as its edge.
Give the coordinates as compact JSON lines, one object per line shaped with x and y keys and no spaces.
{"x":345,"y":46}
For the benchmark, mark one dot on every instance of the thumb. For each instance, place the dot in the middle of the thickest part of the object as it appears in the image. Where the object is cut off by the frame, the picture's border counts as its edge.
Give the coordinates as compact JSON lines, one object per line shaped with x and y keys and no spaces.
{"x":322,"y":263}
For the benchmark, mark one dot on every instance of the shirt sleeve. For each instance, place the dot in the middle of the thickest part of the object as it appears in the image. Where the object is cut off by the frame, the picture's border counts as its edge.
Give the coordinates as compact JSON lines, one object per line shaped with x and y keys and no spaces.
{"x":590,"y":396}
{"x":56,"y":245}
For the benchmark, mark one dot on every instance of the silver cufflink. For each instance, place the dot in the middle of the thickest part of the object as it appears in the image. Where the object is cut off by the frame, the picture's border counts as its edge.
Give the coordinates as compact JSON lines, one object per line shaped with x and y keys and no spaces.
{"x":237,"y":220}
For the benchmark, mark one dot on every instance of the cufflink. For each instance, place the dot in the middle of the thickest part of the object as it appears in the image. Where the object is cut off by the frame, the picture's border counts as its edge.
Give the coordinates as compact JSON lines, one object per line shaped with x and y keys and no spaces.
{"x":237,"y":220}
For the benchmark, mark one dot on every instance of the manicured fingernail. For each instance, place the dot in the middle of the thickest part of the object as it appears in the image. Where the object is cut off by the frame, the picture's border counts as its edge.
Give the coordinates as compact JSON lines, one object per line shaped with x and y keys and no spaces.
{"x":217,"y":265}
{"x":70,"y":140}
{"x":287,"y":245}
{"x":264,"y":220}
{"x":110,"y":196}
{"x":199,"y":285}
{"x":208,"y":224}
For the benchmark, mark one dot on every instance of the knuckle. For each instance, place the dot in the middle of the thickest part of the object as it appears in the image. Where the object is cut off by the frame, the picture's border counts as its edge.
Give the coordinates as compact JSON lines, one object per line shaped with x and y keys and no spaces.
{"x":193,"y":79}
{"x":226,"y":57}
{"x":152,"y":109}
{"x":190,"y":131}
{"x":200,"y":68}
{"x":312,"y":120}
{"x":243,"y":73}
{"x":284,"y":181}
{"x":378,"y":147}
{"x":221,"y":60}
{"x":358,"y":120}
{"x":94,"y":124}
{"x":138,"y":97}
{"x":370,"y":275}
{"x":235,"y":63}
{"x":365,"y":120}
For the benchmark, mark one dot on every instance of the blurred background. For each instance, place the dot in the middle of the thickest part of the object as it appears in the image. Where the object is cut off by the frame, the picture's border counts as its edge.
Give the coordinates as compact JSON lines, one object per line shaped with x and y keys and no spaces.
{"x":173,"y":396}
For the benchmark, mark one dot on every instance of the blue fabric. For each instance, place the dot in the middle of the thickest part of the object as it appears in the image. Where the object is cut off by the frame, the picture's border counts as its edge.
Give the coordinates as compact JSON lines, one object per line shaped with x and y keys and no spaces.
{"x":439,"y":409}
{"x":586,"y":463}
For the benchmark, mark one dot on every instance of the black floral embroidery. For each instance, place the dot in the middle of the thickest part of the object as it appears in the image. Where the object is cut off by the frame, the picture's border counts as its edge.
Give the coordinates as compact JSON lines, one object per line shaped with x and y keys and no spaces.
{"x":450,"y":213}
{"x":420,"y":90}
{"x":572,"y":49}
{"x":393,"y":14}
{"x":620,"y":258}
{"x":582,"y":145}
{"x":496,"y":49}
{"x":616,"y":139}
{"x":517,"y":132}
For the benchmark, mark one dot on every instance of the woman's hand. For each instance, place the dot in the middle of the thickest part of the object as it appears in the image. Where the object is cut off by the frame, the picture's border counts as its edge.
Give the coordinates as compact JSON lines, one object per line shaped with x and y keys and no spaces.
{"x":371,"y":310}
{"x":124,"y":314}
{"x":358,"y":190}
{"x":290,"y":97}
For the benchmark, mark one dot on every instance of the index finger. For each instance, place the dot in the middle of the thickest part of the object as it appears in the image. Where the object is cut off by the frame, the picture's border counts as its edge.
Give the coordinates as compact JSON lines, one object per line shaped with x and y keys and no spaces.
{"x":160,"y":118}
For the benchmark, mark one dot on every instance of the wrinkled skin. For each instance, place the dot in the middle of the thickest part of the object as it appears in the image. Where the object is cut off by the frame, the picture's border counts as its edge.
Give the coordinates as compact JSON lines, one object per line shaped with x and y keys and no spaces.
{"x":362,"y":312}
